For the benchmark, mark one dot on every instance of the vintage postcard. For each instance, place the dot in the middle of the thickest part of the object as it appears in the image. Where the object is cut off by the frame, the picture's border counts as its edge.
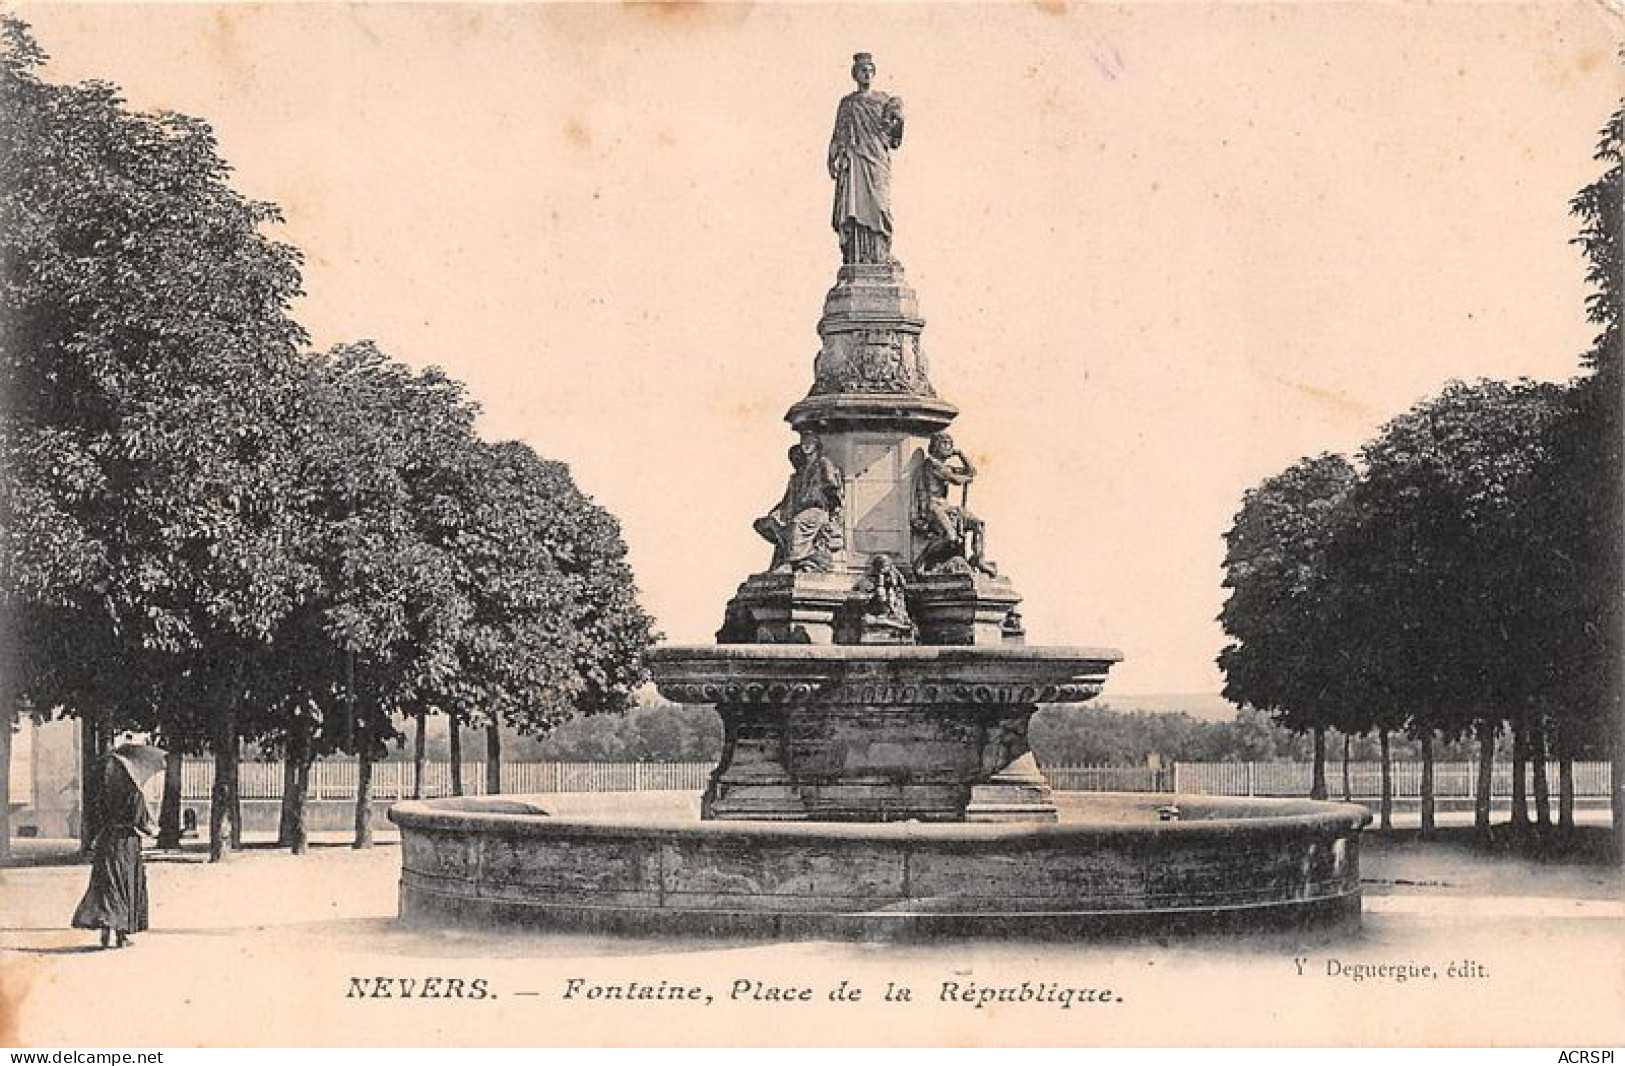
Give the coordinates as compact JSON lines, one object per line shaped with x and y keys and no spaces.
{"x":779,"y":524}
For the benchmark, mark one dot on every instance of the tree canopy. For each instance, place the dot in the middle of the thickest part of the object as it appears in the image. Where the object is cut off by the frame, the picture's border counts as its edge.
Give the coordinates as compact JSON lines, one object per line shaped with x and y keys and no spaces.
{"x":208,"y":530}
{"x":1465,"y":577}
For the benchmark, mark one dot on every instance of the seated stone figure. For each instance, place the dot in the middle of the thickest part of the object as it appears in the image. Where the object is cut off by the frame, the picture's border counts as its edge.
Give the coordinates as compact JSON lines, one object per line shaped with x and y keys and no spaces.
{"x":805,"y":527}
{"x":952,"y":539}
{"x":886,"y":606}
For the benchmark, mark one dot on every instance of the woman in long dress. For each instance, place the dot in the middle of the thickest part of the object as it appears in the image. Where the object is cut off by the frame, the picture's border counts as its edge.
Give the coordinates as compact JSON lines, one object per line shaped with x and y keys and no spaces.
{"x":116,"y":901}
{"x":868,"y":125}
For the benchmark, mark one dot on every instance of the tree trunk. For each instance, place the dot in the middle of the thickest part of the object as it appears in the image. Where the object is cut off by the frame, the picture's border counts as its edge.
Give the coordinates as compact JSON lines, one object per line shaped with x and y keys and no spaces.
{"x":1520,"y":768}
{"x":1386,"y":816}
{"x":417,"y":752}
{"x":169,"y":812}
{"x":293,"y":832}
{"x":363,"y":797}
{"x":299,"y":827}
{"x":223,"y":792}
{"x":9,"y":720}
{"x":493,"y":759}
{"x":454,"y":735}
{"x":1486,"y":777}
{"x":1617,"y":791}
{"x":90,"y":754}
{"x":1427,"y":783}
{"x":9,"y":714}
{"x":1565,"y":782}
{"x":1317,"y":787}
{"x":237,"y":798}
{"x":285,"y":816}
{"x":1348,"y":790}
{"x":1543,"y":787}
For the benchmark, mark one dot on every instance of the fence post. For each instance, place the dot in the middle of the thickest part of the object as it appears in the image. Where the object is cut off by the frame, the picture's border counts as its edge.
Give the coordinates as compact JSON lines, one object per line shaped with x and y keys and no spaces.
{"x":1174,"y":778}
{"x":1250,"y":782}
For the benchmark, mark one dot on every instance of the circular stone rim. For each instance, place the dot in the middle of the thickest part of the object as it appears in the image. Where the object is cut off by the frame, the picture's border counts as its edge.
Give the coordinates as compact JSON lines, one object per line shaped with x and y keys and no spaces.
{"x":447,"y":845}
{"x":526,"y":815}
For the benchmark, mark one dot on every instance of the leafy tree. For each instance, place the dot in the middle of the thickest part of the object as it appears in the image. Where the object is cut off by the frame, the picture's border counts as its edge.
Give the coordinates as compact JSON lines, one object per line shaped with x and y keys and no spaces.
{"x":1384,"y":624}
{"x":148,"y":339}
{"x":555,"y":629}
{"x":1584,"y":497}
{"x":385,"y":459}
{"x":653,"y":732}
{"x":1445,"y":507}
{"x":209,"y":534}
{"x":1285,"y":654}
{"x":1599,"y":208}
{"x":1096,"y":734}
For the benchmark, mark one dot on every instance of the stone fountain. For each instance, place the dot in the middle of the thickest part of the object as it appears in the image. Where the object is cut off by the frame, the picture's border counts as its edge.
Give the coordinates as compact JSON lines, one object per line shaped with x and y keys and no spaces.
{"x":875,"y":688}
{"x":877,"y":669}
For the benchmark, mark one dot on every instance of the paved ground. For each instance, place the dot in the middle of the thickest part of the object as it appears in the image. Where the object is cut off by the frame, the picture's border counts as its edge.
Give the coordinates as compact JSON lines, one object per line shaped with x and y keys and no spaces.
{"x":271,"y":949}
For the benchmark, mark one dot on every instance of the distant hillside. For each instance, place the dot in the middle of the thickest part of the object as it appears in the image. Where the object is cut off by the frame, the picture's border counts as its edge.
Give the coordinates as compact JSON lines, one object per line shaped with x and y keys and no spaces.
{"x":1206,"y":706}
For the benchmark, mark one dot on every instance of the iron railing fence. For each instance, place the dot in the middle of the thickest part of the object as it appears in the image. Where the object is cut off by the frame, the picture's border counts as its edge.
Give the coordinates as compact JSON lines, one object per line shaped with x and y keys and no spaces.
{"x":335,"y":779}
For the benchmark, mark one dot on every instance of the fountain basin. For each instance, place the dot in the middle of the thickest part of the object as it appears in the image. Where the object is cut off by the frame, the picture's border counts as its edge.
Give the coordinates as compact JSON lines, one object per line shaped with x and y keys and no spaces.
{"x":871,"y":733}
{"x":646,"y":863}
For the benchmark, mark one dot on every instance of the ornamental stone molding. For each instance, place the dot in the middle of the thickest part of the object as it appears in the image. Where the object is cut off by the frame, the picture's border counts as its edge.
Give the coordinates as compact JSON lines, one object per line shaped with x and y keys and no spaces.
{"x":801,"y":693}
{"x":879,"y":675}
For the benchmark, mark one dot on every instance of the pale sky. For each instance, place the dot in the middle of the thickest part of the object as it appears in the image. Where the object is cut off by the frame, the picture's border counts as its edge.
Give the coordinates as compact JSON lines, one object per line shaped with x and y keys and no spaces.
{"x":1162,"y":251}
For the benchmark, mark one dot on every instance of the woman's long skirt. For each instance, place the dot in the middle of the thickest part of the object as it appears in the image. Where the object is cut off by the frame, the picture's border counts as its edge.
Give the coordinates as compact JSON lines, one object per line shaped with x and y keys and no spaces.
{"x":117,"y":896}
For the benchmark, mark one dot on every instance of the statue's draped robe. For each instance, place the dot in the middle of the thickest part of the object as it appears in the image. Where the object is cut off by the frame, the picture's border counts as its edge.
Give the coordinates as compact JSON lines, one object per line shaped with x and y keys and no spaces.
{"x":117,"y":896}
{"x":803,"y":523}
{"x":864,"y":135}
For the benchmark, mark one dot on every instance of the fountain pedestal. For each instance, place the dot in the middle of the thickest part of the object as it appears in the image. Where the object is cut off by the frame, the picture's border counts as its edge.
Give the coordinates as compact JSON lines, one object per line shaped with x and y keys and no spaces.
{"x":837,"y":706}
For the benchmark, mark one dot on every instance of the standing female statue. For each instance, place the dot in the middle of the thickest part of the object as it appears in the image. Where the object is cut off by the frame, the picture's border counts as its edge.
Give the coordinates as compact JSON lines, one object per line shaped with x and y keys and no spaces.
{"x":868,"y":125}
